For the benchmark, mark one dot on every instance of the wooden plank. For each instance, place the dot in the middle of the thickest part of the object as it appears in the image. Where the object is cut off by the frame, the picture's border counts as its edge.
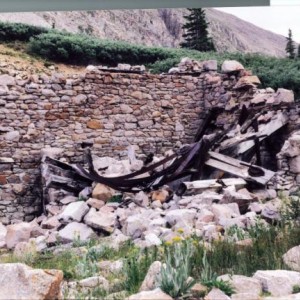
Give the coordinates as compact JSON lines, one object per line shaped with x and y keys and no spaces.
{"x":234,"y":170}
{"x":238,"y":139}
{"x":237,"y":167}
{"x":265,"y":130}
{"x":225,"y":158}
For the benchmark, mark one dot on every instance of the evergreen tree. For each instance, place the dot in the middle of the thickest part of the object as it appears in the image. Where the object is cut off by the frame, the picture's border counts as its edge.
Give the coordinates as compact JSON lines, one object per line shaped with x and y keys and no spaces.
{"x":298,"y":55}
{"x":290,"y":46}
{"x":195,"y":31}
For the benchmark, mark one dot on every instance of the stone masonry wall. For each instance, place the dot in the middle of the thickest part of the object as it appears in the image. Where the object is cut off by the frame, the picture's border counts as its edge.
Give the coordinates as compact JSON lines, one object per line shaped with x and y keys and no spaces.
{"x":112,"y":110}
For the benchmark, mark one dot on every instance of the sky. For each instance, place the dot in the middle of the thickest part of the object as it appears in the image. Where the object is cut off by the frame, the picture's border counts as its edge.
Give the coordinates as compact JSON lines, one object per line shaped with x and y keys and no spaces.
{"x":275,"y":18}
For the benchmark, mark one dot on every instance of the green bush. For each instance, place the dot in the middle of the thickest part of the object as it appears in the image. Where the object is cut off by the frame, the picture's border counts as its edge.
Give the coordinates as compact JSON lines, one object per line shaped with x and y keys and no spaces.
{"x":82,"y":49}
{"x":18,"y":31}
{"x":175,"y":273}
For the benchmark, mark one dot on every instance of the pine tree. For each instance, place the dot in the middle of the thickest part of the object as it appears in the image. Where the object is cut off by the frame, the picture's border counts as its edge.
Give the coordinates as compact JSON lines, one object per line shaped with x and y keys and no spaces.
{"x":196,"y":33}
{"x":298,"y":54}
{"x":290,"y":46}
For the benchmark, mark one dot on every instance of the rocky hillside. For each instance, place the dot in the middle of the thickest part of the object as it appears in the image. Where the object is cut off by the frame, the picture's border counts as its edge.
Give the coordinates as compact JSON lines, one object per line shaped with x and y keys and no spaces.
{"x":160,"y":27}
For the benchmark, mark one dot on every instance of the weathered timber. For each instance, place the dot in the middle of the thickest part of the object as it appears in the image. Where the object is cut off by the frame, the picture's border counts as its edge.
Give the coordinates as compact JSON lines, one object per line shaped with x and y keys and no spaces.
{"x":265,"y":130}
{"x":237,"y":168}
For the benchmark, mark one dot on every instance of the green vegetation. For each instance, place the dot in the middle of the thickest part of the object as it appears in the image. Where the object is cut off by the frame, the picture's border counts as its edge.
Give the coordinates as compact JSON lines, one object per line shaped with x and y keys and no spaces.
{"x":10,"y":32}
{"x":290,"y":45}
{"x":175,"y":274}
{"x":196,"y":31}
{"x":296,"y":289}
{"x":83,"y":49}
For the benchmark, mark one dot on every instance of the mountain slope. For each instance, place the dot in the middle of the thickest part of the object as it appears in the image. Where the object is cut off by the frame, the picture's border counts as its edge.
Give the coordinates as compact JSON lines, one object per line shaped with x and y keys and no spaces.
{"x":160,"y":27}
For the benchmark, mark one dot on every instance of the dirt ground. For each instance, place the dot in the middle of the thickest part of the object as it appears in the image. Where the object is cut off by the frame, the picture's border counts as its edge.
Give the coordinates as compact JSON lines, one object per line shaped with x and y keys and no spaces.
{"x":33,"y":65}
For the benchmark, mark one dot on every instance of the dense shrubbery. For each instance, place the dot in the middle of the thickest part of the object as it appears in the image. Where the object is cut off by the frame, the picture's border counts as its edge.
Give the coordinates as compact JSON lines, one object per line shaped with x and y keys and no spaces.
{"x":82,"y":49}
{"x":18,"y":31}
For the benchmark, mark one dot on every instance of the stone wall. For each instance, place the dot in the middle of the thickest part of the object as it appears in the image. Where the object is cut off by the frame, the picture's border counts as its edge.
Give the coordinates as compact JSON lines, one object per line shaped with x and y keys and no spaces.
{"x":110,"y":109}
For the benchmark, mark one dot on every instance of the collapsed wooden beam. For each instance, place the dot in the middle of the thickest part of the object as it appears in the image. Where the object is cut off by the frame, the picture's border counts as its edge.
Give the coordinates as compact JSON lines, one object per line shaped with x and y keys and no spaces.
{"x":238,"y":168}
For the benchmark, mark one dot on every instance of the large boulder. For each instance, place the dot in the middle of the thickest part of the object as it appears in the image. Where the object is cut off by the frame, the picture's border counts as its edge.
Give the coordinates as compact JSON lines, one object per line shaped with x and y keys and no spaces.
{"x":243,"y":284}
{"x":134,"y":226}
{"x":156,"y":294}
{"x":75,"y":211}
{"x":278,"y":282}
{"x":75,"y":231}
{"x":19,"y":281}
{"x":151,"y":280}
{"x":292,"y":258}
{"x":216,"y":294}
{"x":17,"y":233}
{"x":230,"y":66}
{"x":181,"y":217}
{"x":284,"y":96}
{"x":103,"y":192}
{"x":100,"y":220}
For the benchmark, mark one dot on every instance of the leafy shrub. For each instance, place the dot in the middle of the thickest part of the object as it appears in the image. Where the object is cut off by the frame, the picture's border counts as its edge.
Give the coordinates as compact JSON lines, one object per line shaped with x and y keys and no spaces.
{"x":175,"y":273}
{"x":18,"y":31}
{"x":296,"y":289}
{"x":82,"y":49}
{"x":222,"y":285}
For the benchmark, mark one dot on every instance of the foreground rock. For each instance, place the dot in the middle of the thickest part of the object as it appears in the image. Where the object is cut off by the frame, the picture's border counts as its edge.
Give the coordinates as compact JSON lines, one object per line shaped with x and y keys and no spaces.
{"x":156,"y":294}
{"x":292,"y":258}
{"x":19,"y":281}
{"x":75,"y":231}
{"x":216,"y":294}
{"x":278,"y":282}
{"x":151,"y":280}
{"x":17,"y":233}
{"x":244,"y":287}
{"x":75,"y":211}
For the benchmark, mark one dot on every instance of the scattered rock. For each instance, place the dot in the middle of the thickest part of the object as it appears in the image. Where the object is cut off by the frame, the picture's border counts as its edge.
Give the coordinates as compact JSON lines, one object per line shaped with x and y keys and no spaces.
{"x":103,"y":192}
{"x":95,"y":281}
{"x":230,"y":66}
{"x":284,"y":96}
{"x":292,"y":259}
{"x":156,"y":294}
{"x":243,"y":284}
{"x":74,"y":212}
{"x":95,"y":203}
{"x":216,"y":294}
{"x":75,"y":231}
{"x":17,"y":233}
{"x":278,"y":282}
{"x":19,"y":281}
{"x":151,"y":280}
{"x":100,"y":220}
